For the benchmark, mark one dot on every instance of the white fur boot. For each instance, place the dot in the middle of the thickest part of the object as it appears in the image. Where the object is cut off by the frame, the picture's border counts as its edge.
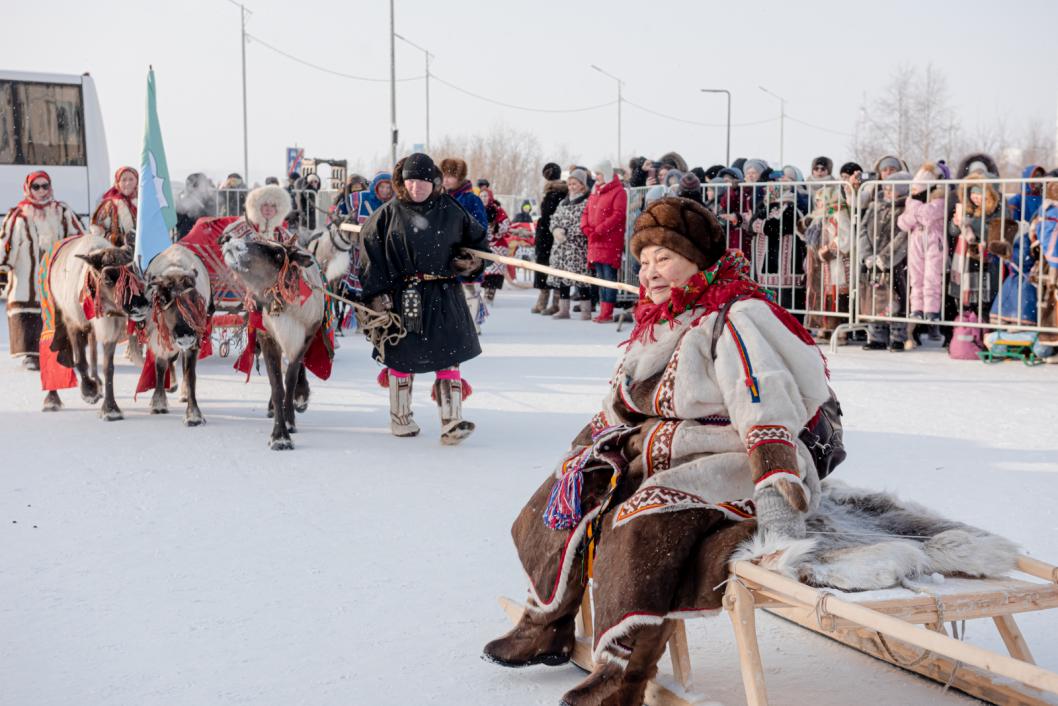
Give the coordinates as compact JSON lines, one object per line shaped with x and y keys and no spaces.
{"x":401,"y":422}
{"x":454,"y":428}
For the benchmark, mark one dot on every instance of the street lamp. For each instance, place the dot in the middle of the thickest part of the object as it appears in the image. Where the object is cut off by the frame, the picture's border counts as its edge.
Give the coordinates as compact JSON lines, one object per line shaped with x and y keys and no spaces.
{"x":727,"y":159}
{"x":243,"y":12}
{"x":619,"y":99}
{"x":782,"y":120}
{"x":392,"y":85}
{"x":428,"y":56}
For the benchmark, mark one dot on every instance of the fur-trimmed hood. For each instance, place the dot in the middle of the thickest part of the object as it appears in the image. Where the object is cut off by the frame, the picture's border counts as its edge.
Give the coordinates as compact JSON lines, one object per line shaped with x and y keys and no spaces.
{"x":267,"y":194}
{"x":673,"y":158}
{"x":878,"y":162}
{"x":964,"y":166}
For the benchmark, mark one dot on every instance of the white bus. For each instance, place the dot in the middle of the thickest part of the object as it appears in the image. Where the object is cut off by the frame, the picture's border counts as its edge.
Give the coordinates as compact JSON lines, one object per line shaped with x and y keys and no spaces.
{"x":52,"y":122}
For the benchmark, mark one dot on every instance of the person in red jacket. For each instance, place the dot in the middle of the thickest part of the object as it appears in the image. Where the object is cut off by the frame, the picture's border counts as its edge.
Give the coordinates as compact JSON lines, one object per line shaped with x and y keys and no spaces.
{"x":603,"y":222}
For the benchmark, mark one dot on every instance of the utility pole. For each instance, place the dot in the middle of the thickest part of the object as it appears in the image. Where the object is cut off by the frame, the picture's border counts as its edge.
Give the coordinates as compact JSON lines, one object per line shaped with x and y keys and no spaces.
{"x":782,"y":122}
{"x":428,"y":56}
{"x":727,"y":153}
{"x":392,"y":85}
{"x":243,"y":12}
{"x":620,"y":100}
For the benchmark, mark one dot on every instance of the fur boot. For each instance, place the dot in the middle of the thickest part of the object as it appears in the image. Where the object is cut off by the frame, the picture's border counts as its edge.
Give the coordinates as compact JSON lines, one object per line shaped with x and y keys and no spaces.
{"x":541,"y":302}
{"x":563,"y":310}
{"x":551,"y":308}
{"x":624,"y":682}
{"x":536,"y":639}
{"x":401,"y":421}
{"x":449,"y":395}
{"x":585,"y":310}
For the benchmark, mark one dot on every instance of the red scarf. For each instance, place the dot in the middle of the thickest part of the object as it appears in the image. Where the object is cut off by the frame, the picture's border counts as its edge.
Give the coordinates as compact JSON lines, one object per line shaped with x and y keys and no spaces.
{"x":707,"y":291}
{"x":30,"y":199}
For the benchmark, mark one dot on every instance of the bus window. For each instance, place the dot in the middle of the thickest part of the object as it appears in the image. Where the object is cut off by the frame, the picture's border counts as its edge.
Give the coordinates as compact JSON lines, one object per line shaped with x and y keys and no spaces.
{"x":41,"y":124}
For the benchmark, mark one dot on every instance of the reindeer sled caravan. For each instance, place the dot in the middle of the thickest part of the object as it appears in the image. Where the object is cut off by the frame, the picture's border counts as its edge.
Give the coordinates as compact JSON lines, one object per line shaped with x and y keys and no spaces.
{"x":702,"y":485}
{"x":90,"y":293}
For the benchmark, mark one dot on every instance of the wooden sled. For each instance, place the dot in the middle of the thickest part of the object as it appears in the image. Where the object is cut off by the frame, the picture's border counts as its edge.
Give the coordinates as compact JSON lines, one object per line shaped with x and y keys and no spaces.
{"x":906,"y":631}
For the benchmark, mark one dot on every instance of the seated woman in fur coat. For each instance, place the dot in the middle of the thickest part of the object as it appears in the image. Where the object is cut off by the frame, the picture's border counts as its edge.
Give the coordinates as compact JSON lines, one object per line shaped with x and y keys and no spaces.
{"x":698,"y":434}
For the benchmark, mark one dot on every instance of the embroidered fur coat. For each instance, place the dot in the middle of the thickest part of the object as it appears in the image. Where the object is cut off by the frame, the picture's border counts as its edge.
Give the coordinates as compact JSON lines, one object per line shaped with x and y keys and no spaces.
{"x":29,"y":231}
{"x":707,"y":431}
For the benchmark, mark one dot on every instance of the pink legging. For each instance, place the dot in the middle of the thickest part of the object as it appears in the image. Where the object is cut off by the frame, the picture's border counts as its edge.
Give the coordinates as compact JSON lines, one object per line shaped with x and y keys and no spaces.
{"x":446,"y":374}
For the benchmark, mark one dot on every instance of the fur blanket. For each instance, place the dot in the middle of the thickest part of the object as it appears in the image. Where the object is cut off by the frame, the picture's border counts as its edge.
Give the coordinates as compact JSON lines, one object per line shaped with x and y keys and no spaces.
{"x":861,"y":540}
{"x":672,"y":565}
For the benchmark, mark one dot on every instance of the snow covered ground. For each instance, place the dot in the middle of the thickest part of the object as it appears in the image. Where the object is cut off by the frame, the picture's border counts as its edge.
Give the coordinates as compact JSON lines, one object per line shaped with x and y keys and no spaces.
{"x":142,"y":562}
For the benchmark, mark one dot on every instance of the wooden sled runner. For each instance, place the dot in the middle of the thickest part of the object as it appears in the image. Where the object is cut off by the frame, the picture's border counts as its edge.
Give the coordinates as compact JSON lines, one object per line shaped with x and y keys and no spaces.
{"x":899,"y":626}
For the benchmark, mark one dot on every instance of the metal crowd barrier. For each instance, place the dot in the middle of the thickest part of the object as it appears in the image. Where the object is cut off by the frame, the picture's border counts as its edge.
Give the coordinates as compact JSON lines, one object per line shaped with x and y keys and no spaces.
{"x":966,"y":254}
{"x":845,"y":258}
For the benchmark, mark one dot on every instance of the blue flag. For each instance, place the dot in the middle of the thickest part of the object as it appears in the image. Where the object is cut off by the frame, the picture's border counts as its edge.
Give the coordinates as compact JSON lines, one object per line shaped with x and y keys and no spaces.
{"x":156,"y":216}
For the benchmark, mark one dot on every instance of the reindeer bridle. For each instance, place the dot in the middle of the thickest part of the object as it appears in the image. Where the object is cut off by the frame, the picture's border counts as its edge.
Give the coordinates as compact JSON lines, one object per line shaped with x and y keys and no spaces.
{"x":127,"y":286}
{"x":286,"y":288}
{"x":191,"y":307}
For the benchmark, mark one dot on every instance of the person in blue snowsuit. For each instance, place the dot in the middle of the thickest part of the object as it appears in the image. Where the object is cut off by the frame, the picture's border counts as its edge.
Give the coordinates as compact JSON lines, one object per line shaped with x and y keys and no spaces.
{"x":380,"y":191}
{"x":1023,"y":205}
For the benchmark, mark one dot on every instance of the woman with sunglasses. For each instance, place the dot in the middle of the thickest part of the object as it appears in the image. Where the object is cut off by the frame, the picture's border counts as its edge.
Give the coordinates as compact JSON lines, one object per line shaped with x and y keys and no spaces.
{"x":29,"y":231}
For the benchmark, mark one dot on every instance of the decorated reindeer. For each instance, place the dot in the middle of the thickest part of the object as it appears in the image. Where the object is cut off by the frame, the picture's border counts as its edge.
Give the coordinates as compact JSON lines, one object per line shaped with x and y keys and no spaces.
{"x":178,"y":288}
{"x":90,"y":291}
{"x":286,"y":303}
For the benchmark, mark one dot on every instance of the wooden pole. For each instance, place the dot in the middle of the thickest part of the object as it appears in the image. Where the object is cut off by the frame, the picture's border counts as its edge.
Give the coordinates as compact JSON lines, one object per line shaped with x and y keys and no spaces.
{"x":535,"y":267}
{"x":1002,"y":665}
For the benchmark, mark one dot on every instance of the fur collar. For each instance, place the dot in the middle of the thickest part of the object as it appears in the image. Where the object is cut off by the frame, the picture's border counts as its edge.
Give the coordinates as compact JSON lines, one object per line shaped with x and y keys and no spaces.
{"x":556,"y":185}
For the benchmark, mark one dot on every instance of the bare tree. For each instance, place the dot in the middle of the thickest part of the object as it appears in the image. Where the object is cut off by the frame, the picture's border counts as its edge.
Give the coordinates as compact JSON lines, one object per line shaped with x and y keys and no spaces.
{"x":1037,"y":147}
{"x":911,"y":118}
{"x":510,"y":159}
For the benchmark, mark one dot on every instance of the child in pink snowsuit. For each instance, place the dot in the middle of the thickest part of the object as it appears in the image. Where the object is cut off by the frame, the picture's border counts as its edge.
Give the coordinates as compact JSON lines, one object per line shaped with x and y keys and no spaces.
{"x":923,"y":220}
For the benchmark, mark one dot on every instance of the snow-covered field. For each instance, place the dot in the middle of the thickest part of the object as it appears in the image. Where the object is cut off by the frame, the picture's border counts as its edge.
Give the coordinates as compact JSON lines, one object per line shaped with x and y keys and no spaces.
{"x":142,"y":562}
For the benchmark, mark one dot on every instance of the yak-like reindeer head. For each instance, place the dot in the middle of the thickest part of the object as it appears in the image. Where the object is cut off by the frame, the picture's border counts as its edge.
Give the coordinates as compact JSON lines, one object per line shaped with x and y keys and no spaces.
{"x":178,"y":311}
{"x":115,"y":284}
{"x":270,"y":270}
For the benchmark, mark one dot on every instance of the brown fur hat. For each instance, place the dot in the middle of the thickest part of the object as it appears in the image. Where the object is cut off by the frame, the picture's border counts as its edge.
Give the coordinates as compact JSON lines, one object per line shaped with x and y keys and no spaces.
{"x":686,"y":227}
{"x":453,"y":166}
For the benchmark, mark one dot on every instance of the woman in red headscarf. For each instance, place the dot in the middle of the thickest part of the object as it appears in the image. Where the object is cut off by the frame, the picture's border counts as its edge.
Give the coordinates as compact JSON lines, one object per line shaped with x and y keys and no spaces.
{"x":28,"y":232}
{"x":115,"y":216}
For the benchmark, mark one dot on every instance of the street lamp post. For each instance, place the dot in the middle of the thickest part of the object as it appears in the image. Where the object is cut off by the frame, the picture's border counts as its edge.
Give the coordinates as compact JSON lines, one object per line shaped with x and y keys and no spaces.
{"x":428,"y":56}
{"x":619,"y":101}
{"x":782,"y":120}
{"x":243,"y":12}
{"x":392,"y":86}
{"x":727,"y":158}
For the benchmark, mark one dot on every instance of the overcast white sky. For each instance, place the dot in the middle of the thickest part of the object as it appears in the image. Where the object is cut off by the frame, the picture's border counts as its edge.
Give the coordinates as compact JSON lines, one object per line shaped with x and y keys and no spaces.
{"x":822,"y":56}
